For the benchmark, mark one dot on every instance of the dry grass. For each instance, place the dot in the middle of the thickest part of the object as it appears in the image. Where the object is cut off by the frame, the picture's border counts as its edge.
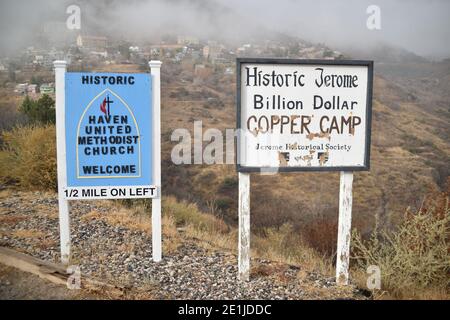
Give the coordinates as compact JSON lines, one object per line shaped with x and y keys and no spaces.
{"x":122,"y":217}
{"x":214,"y":241}
{"x":137,"y":218}
{"x":188,"y":214}
{"x":28,"y":234}
{"x":29,"y":157}
{"x":286,"y":245}
{"x":44,"y":210}
{"x":283,"y":244}
{"x":44,"y":244}
{"x":414,"y":258}
{"x":212,"y":232}
{"x":184,"y":220}
{"x":6,"y":193}
{"x":171,"y":239}
{"x":11,"y":219}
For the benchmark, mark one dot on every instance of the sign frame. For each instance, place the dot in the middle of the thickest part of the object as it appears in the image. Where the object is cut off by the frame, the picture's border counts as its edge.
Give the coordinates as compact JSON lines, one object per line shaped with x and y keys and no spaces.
{"x":99,"y":186}
{"x":346,"y":172}
{"x":369,"y":94}
{"x":60,"y":70}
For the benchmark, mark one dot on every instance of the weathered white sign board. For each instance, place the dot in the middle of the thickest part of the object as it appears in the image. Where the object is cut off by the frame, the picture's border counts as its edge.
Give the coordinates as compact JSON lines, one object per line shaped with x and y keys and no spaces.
{"x":303,"y":115}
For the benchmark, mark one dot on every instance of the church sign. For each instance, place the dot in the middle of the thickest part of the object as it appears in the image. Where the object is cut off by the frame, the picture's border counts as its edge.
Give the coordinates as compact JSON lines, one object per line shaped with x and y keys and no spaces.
{"x":108,"y":122}
{"x":108,"y":142}
{"x":300,"y":115}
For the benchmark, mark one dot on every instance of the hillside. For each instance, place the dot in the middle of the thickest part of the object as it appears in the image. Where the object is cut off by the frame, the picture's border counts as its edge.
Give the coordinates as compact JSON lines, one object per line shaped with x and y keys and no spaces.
{"x":293,"y":216}
{"x":410,"y":156}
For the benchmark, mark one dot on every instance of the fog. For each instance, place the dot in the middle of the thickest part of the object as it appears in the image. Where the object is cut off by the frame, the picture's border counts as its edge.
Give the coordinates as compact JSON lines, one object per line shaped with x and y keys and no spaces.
{"x":420,"y":26}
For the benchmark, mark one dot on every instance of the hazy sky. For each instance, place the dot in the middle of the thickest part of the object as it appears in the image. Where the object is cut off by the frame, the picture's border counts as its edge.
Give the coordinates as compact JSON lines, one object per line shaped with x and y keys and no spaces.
{"x":421,"y":26}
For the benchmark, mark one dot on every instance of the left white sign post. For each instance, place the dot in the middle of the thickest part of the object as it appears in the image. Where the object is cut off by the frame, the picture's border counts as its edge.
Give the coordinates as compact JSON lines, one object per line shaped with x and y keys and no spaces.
{"x":63,"y":204}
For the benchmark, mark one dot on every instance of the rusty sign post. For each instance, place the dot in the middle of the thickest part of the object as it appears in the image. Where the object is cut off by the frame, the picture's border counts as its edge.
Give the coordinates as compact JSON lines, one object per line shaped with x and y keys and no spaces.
{"x":303,"y":115}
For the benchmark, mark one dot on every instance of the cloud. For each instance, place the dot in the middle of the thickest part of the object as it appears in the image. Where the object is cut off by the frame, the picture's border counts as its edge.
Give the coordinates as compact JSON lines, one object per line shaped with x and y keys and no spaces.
{"x":420,"y":26}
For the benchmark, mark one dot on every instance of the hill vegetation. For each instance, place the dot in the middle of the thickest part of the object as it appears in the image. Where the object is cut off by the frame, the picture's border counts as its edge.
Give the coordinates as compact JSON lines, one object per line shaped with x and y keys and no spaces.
{"x":294,"y":216}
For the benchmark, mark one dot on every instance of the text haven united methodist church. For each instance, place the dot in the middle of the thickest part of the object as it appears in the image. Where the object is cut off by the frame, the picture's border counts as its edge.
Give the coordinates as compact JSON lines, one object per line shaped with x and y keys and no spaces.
{"x":108,"y":139}
{"x":106,"y":135}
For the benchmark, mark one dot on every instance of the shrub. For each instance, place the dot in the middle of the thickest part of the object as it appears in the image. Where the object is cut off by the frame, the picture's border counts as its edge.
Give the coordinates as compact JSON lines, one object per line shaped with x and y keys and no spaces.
{"x":320,"y":233}
{"x":224,"y":203}
{"x":41,"y":111}
{"x":28,"y":157}
{"x":229,"y":183}
{"x":188,"y":214}
{"x":285,"y":244}
{"x":414,"y":257}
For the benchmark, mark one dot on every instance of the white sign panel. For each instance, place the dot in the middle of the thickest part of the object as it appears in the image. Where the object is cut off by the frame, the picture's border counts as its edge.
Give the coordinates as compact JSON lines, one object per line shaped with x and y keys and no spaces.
{"x":298,"y":115}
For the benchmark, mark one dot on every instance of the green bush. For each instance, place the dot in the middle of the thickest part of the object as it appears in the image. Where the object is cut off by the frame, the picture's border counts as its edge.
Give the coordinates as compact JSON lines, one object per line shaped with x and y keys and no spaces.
{"x":413,"y":257}
{"x":224,"y":203}
{"x":41,"y":111}
{"x":28,"y":157}
{"x":229,"y":183}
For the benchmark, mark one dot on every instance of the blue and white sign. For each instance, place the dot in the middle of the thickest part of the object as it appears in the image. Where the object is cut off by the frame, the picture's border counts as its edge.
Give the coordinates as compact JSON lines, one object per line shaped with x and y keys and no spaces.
{"x":108,"y":122}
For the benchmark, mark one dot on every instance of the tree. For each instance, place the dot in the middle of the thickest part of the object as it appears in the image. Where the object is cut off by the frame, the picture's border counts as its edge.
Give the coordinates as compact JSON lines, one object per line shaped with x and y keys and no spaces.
{"x":124,"y":49}
{"x":12,"y":72}
{"x":36,"y":80}
{"x":27,"y":105}
{"x":39,"y":111}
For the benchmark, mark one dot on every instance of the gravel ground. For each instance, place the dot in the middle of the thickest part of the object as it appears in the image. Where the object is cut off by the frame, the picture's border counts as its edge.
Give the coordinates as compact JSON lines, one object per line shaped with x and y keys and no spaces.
{"x":19,"y":285}
{"x":117,"y":255}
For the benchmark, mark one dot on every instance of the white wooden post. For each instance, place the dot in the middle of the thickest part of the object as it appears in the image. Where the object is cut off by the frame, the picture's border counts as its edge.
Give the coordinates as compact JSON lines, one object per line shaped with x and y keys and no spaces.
{"x":155,"y":67}
{"x":344,"y":228}
{"x":244,"y":226}
{"x":63,"y":204}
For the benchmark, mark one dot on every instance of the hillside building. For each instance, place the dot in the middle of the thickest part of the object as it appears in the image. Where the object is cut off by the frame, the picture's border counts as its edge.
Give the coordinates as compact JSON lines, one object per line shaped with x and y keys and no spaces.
{"x":92,"y":42}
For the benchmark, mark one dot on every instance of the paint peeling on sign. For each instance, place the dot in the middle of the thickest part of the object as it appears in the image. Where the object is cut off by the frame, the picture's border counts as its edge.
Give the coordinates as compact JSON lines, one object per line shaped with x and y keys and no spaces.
{"x":323,"y":157}
{"x":325,"y":135}
{"x":283,"y":157}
